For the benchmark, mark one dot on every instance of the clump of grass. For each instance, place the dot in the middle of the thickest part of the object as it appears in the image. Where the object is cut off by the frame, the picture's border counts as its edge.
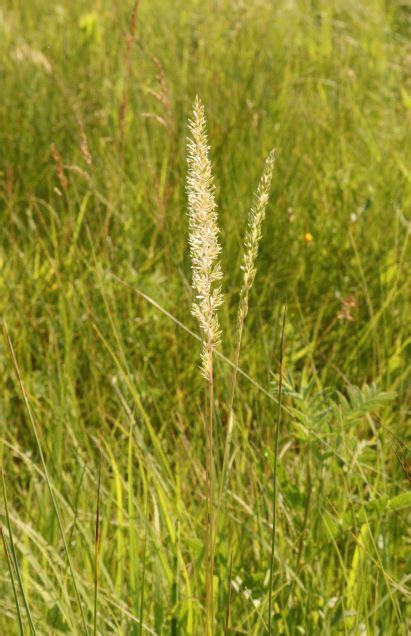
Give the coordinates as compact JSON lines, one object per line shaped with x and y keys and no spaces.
{"x":206,"y":273}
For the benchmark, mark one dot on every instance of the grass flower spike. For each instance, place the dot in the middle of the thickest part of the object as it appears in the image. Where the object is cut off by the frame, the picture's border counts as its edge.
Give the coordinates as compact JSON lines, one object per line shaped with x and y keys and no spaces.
{"x":204,"y":243}
{"x":251,"y":242}
{"x":206,"y":273}
{"x":253,"y":235}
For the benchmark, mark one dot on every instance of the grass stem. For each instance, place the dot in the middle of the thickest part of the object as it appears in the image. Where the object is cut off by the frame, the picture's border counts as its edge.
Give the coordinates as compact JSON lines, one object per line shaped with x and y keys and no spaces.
{"x":275,"y":476}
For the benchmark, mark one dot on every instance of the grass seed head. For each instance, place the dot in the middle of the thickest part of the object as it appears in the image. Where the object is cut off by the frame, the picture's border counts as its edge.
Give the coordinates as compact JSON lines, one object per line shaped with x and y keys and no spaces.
{"x":204,"y":236}
{"x":253,"y":235}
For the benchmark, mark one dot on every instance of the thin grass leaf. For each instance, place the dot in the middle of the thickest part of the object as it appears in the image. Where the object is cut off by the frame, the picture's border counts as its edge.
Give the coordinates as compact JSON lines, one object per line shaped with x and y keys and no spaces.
{"x":14,"y":556}
{"x":50,"y":487}
{"x":10,"y":567}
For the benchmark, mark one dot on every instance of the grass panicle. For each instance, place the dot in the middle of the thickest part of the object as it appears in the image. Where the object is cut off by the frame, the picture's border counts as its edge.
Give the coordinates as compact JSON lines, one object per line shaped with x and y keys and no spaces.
{"x":204,"y":243}
{"x":206,"y":274}
{"x":252,"y":240}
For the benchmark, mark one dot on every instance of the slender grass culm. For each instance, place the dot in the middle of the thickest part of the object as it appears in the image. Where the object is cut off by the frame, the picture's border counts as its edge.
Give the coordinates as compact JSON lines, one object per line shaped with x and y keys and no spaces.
{"x":251,"y":242}
{"x":206,"y":273}
{"x":97,"y":547}
{"x":275,"y":473}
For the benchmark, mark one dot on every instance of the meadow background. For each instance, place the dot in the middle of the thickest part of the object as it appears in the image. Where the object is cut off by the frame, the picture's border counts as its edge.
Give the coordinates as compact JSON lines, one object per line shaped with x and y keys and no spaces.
{"x":95,"y":98}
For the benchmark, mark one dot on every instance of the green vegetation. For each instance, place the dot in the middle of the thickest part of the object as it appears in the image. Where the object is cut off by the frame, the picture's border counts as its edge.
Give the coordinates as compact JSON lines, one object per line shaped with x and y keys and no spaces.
{"x":102,"y":394}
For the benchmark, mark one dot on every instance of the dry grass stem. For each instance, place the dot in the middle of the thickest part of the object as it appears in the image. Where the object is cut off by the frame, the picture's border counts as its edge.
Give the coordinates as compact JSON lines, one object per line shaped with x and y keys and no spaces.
{"x":206,"y":273}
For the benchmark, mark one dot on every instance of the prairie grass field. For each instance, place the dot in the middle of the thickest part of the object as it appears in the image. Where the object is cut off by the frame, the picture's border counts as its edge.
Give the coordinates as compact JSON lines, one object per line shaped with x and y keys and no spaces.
{"x":103,"y":408}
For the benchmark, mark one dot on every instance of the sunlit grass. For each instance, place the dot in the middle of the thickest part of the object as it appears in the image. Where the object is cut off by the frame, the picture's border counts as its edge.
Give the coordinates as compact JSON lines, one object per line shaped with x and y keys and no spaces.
{"x":96,"y":294}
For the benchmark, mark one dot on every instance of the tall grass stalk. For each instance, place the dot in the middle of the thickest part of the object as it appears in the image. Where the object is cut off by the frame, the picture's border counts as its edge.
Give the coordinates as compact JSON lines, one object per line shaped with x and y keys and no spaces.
{"x":143,"y":576}
{"x":251,"y":243}
{"x":97,"y":546}
{"x":206,"y":272}
{"x":275,"y":471}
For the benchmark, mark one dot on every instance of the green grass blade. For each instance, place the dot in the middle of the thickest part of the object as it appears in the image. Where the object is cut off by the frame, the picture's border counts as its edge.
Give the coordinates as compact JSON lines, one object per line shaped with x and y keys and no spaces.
{"x":50,"y":488}
{"x":10,"y":567}
{"x":14,"y":556}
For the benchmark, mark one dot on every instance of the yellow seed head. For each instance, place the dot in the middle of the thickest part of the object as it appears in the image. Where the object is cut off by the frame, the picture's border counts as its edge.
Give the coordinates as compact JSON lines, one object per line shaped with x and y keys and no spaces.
{"x":203,"y":240}
{"x":253,"y":235}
